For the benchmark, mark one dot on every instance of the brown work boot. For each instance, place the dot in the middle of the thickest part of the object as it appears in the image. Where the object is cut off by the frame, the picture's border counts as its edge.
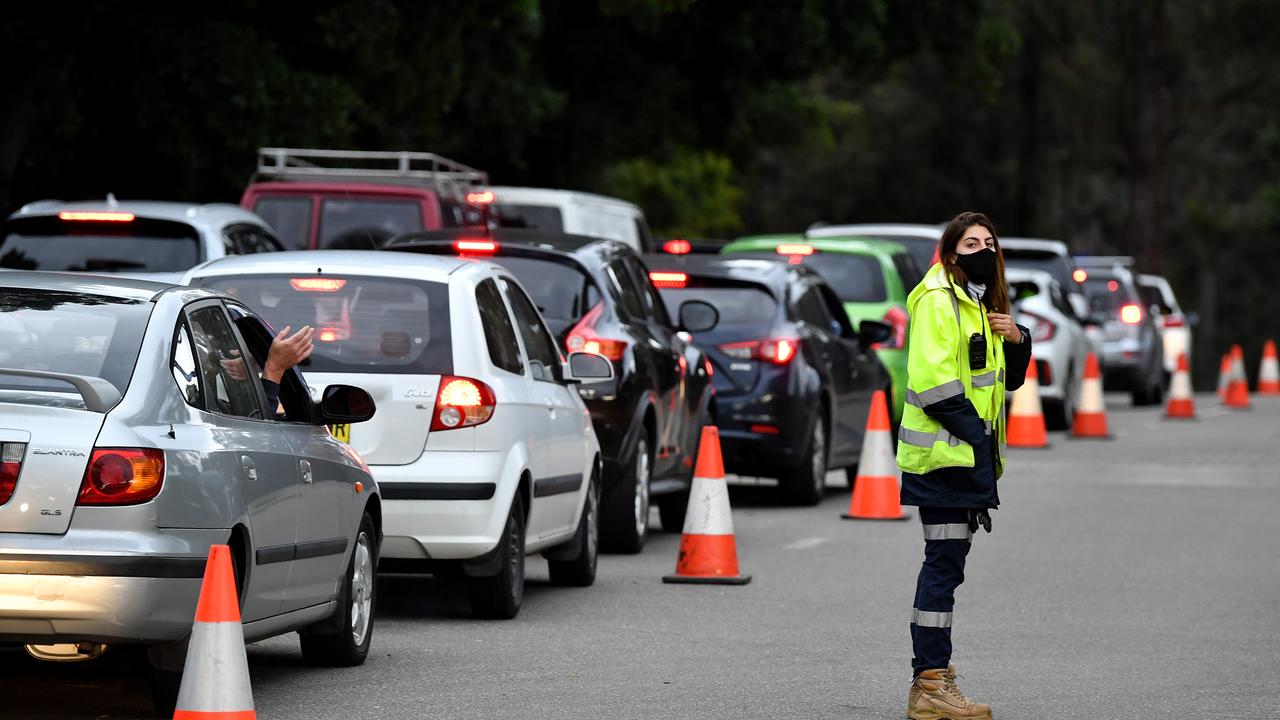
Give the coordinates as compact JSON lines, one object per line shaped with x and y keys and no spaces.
{"x":934,"y":696}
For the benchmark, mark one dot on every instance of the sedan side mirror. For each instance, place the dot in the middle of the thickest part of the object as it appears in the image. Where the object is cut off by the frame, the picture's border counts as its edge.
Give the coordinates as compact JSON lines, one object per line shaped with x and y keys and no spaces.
{"x":697,"y":316}
{"x":585,"y":367}
{"x":345,"y":404}
{"x":871,"y":332}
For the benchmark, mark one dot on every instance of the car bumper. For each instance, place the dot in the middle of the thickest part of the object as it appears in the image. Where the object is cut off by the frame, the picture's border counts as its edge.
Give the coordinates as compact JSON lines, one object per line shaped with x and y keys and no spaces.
{"x":445,"y":506}
{"x":759,"y":438}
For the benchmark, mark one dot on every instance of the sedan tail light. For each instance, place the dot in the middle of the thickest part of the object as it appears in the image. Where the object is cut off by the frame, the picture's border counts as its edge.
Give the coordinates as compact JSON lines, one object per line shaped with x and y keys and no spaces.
{"x":583,"y":337}
{"x":462,"y":402}
{"x":1131,"y":314}
{"x":895,"y":318}
{"x":1042,"y":328}
{"x":1173,"y":321}
{"x":778,"y":351}
{"x":10,"y":465}
{"x":122,"y":476}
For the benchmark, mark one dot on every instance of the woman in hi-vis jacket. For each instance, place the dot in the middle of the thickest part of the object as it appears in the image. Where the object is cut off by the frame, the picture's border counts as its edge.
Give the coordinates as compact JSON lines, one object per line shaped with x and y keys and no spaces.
{"x":964,"y":352}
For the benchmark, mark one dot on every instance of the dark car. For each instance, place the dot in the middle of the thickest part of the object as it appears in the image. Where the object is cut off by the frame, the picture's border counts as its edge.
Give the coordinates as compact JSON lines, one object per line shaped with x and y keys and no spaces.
{"x":1132,"y":348}
{"x":596,"y":296}
{"x":793,"y":379}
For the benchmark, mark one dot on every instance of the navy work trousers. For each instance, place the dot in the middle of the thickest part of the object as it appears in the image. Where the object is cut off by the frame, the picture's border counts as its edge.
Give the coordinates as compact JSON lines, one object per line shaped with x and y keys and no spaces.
{"x":947,"y":539}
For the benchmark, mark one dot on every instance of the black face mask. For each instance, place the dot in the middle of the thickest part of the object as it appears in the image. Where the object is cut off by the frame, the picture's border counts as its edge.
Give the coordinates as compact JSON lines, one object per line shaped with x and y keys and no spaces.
{"x":979,"y":267}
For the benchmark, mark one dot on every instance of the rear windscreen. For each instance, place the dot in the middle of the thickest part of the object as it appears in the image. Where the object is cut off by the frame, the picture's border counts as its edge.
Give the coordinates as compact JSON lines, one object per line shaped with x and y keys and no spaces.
{"x":362,"y":324}
{"x":365,"y":224}
{"x":854,"y":278}
{"x":69,"y":332}
{"x":1106,"y":294}
{"x":736,"y":305}
{"x":1052,"y":263}
{"x":562,"y":292}
{"x":1151,"y":295}
{"x":290,"y":217}
{"x":529,"y":216}
{"x":137,"y":246}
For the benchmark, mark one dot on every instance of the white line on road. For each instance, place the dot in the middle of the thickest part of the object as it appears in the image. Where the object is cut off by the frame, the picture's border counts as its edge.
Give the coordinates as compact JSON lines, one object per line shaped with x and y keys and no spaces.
{"x":805,"y":543}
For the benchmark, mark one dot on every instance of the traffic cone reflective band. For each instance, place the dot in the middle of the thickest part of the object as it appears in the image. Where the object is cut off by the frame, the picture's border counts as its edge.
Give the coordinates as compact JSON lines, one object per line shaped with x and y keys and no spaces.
{"x":1091,"y":414}
{"x":1026,"y":416}
{"x":875,"y":489}
{"x":1181,"y":403}
{"x":1224,"y":376}
{"x":708,"y":553}
{"x":215,"y":679}
{"x":1237,"y":385}
{"x":1269,"y":372}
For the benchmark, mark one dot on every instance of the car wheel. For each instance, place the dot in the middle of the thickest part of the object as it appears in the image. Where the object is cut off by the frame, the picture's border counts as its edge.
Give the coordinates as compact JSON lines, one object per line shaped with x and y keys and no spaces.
{"x":580,"y":571}
{"x":626,"y":508}
{"x":346,"y":643}
{"x":806,"y":483}
{"x":498,"y":597}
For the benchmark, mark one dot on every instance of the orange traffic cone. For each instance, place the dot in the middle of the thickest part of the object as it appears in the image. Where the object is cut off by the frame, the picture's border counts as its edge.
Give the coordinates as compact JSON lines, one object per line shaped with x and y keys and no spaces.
{"x":708,"y":552}
{"x":1181,"y":403}
{"x":875,"y":489}
{"x":215,"y":679}
{"x":1237,"y":385}
{"x":1269,"y":372}
{"x":1091,"y":414}
{"x":1224,"y":376}
{"x":1026,"y":416}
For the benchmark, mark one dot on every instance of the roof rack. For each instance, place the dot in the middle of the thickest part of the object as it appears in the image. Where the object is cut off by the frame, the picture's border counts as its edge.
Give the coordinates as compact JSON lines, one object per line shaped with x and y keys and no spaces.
{"x":397,"y":167}
{"x":1104,"y":260}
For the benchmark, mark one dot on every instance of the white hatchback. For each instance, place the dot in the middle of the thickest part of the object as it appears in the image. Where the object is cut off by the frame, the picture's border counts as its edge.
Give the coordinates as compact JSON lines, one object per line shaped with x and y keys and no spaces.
{"x":481,"y":446}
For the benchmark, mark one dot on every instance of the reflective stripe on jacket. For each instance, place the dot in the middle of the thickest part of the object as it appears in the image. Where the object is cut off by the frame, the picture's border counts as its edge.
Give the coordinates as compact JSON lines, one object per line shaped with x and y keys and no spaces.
{"x":943,"y":317}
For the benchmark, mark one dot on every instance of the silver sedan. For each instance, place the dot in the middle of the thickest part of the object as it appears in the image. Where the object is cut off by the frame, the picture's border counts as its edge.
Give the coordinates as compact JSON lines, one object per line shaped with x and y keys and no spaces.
{"x":135,"y":433}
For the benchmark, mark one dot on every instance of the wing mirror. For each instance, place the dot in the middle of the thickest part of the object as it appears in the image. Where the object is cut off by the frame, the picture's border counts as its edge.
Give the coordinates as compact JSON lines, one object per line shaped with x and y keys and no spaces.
{"x":593,"y":373}
{"x":871,"y":332}
{"x":697,"y":316}
{"x":345,"y":404}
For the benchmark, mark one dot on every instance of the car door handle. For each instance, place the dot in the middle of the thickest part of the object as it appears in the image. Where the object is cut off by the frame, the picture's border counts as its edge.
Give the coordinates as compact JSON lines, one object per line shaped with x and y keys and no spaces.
{"x":304,"y":467}
{"x":246,"y":464}
{"x":551,"y":407}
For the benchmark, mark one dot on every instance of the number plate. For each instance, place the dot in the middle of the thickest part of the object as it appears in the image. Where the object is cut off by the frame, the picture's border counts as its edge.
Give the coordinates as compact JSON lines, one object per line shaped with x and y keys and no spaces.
{"x":341,"y":432}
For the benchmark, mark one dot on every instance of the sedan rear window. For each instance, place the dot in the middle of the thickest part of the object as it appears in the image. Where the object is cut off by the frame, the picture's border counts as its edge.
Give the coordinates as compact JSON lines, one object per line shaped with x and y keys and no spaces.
{"x":68,"y":332}
{"x":138,"y":245}
{"x":737,"y":305}
{"x":1106,"y":294}
{"x":1052,"y":263}
{"x":290,"y":217}
{"x":362,"y":324}
{"x":562,"y":292}
{"x":529,"y":216}
{"x":854,"y":278}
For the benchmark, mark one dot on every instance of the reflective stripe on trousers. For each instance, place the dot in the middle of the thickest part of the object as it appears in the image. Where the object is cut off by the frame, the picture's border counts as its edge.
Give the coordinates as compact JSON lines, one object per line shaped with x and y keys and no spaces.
{"x":947,"y":541}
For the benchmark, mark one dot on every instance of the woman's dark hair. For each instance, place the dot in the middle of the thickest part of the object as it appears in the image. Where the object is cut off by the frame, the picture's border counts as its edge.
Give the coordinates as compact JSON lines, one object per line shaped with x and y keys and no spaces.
{"x":997,"y":296}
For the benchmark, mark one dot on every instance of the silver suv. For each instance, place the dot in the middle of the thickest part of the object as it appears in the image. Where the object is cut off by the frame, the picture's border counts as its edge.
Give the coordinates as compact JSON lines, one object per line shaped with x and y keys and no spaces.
{"x":1132,"y":349}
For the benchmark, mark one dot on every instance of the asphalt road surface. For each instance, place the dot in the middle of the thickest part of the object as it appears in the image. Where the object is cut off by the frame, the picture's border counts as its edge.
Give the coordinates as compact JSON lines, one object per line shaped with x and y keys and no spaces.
{"x":1129,"y":579}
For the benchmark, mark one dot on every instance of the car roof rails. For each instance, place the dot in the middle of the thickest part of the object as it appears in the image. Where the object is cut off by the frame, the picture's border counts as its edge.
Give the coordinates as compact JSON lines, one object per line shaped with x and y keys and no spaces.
{"x":395,"y":167}
{"x":1126,"y":261}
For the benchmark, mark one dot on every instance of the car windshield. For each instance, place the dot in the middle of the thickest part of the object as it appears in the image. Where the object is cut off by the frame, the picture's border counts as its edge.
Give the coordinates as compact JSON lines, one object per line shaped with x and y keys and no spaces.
{"x":362,"y":324}
{"x":290,"y":217}
{"x":136,"y":245}
{"x":530,"y":216}
{"x":67,"y":332}
{"x":1052,"y":263}
{"x":1106,"y":293}
{"x":562,"y":292}
{"x":737,"y":305}
{"x":854,"y":278}
{"x":365,"y":224}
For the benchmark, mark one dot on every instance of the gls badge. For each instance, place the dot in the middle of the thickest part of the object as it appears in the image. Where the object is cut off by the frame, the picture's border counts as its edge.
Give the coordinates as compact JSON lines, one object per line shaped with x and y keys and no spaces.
{"x":50,"y":513}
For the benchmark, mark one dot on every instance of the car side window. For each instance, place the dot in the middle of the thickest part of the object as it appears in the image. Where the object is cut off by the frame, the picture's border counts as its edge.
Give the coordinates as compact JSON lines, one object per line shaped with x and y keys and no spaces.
{"x":183,"y":366}
{"x":810,"y":310}
{"x":838,"y":319}
{"x":544,"y":359}
{"x":294,"y":397}
{"x":655,"y":308}
{"x":229,"y":381}
{"x":644,"y":236}
{"x":629,"y":295}
{"x":229,"y":243}
{"x":499,"y":334}
{"x":907,"y":269}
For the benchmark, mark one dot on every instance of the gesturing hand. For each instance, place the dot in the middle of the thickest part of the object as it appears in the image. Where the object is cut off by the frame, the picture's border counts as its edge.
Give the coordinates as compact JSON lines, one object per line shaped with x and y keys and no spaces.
{"x":286,"y":351}
{"x":1002,"y":325}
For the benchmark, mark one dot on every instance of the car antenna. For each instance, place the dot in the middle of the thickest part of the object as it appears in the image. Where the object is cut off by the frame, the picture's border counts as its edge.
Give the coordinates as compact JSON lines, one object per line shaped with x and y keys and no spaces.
{"x":111,"y":199}
{"x":172,"y":435}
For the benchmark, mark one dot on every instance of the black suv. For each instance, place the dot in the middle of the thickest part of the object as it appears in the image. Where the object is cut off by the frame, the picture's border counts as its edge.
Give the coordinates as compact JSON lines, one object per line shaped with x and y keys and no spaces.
{"x":793,"y":378}
{"x":595,"y":296}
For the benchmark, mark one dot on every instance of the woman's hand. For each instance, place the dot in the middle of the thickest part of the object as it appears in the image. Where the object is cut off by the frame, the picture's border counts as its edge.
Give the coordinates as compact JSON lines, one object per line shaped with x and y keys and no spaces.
{"x":1003,"y":326}
{"x":286,"y":351}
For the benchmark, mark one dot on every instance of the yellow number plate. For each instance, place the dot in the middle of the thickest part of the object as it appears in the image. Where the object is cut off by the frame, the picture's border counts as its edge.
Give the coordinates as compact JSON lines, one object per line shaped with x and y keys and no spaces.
{"x":341,"y":432}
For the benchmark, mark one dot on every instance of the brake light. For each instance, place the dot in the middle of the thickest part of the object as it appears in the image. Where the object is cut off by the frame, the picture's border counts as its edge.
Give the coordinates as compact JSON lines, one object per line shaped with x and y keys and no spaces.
{"x":895,"y":318}
{"x":332,"y":334}
{"x":1131,"y":314}
{"x":10,"y":464}
{"x":77,"y":216}
{"x":483,"y":197}
{"x":317,"y":284}
{"x":677,"y":247}
{"x":766,"y":430}
{"x":1042,"y":329}
{"x":778,"y":351}
{"x":668,"y":279}
{"x":788,"y":249}
{"x":1079,"y":275}
{"x":1173,"y":321}
{"x":462,"y":402}
{"x":583,"y":337}
{"x":1113,"y":286}
{"x":482,"y":247}
{"x":122,"y":476}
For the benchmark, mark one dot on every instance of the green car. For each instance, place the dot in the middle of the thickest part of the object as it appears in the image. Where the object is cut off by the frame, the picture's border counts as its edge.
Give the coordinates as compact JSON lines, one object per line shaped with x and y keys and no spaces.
{"x":870,"y":276}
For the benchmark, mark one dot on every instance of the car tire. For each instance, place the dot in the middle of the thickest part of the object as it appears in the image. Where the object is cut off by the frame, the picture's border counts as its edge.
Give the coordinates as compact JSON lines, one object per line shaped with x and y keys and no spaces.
{"x":346,"y":644}
{"x":498,"y":597}
{"x":626,"y":506}
{"x":805,"y":484}
{"x":580,"y":571}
